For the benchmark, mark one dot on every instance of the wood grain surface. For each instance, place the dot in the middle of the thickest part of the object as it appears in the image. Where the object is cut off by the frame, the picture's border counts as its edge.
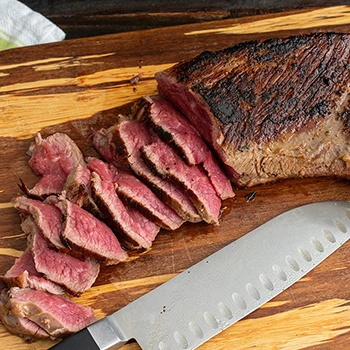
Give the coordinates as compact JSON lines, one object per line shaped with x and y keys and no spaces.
{"x":80,"y":86}
{"x":83,"y":18}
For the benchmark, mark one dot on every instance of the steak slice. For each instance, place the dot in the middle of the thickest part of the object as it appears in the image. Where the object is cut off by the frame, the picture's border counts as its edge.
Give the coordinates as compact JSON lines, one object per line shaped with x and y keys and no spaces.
{"x":217,"y":177}
{"x":47,"y":185}
{"x":46,"y":216}
{"x":138,"y":195}
{"x":57,"y":315}
{"x":53,"y":158}
{"x":78,"y":190}
{"x":174,"y":129}
{"x":74,"y":274}
{"x":19,"y":325}
{"x":104,"y":145}
{"x":116,"y":215}
{"x":130,"y":136}
{"x":88,"y":236}
{"x":271,"y":110}
{"x":167,"y":163}
{"x":24,"y":274}
{"x":23,"y":327}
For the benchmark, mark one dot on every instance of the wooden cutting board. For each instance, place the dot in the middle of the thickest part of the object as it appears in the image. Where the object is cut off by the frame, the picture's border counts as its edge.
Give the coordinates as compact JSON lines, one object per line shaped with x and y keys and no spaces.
{"x":80,"y":86}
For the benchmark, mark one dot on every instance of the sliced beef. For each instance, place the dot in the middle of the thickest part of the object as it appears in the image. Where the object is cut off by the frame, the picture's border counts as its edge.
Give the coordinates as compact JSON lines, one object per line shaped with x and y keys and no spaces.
{"x":78,"y":190}
{"x":46,"y":186}
{"x":57,"y":315}
{"x":174,"y":129}
{"x":130,"y":137}
{"x":75,"y":275}
{"x":24,"y":274}
{"x":88,"y":236}
{"x":19,"y":325}
{"x":167,"y":163}
{"x":23,"y":327}
{"x":46,"y":216}
{"x":138,"y":195}
{"x":104,"y":145}
{"x":116,"y":215}
{"x":271,"y":109}
{"x":56,"y":155}
{"x":53,"y":159}
{"x":217,"y":177}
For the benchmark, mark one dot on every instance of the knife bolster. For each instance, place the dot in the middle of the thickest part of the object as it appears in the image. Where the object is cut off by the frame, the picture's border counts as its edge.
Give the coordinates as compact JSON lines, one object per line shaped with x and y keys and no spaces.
{"x":106,"y":336}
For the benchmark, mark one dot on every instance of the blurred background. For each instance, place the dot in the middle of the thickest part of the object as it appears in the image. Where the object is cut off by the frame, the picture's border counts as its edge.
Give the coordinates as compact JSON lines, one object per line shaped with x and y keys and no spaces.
{"x":84,"y":18}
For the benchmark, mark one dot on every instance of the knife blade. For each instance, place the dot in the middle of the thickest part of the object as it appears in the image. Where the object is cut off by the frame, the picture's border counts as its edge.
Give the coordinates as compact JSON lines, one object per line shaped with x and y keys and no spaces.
{"x":225,"y":287}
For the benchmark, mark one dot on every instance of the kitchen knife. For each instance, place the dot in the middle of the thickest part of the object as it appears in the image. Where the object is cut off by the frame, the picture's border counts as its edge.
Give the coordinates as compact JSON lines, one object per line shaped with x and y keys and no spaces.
{"x":225,"y":287}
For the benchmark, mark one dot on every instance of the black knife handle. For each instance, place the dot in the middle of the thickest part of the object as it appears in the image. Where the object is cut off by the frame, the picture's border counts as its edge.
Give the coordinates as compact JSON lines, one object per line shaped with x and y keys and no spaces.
{"x":81,"y":340}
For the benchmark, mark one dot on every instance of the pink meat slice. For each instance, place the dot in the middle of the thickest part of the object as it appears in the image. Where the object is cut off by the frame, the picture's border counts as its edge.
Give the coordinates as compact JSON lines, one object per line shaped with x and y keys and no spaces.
{"x":176,"y":130}
{"x":131,"y":136}
{"x":87,"y":235}
{"x":116,"y":215}
{"x":217,"y":177}
{"x":21,"y":326}
{"x":144,"y":223}
{"x":24,"y":327}
{"x":78,"y":190}
{"x":53,"y":158}
{"x":56,"y":155}
{"x":74,"y":274}
{"x":46,"y":216}
{"x":57,"y":315}
{"x":161,"y":157}
{"x":172,"y":127}
{"x":137,"y":194}
{"x":24,"y":274}
{"x":140,"y":196}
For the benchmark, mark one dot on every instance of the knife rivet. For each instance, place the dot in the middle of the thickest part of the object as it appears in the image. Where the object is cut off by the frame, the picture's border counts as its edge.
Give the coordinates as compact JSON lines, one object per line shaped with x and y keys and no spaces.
{"x":252,"y":291}
{"x":266,"y":282}
{"x":329,"y":235}
{"x":339,"y":225}
{"x":195,"y":329}
{"x":210,"y":319}
{"x":305,"y":254}
{"x":317,"y":245}
{"x":239,"y":301}
{"x":225,"y":310}
{"x":181,"y":340}
{"x":279,"y":272}
{"x":292,"y":263}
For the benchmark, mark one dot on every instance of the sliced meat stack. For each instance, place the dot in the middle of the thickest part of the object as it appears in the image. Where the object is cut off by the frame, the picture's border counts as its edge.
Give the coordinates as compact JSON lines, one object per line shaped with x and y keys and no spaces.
{"x":174,"y":129}
{"x":34,"y":313}
{"x":24,"y":274}
{"x":117,"y":216}
{"x":194,"y":181}
{"x":53,"y":159}
{"x":85,"y":235}
{"x":270,"y":109}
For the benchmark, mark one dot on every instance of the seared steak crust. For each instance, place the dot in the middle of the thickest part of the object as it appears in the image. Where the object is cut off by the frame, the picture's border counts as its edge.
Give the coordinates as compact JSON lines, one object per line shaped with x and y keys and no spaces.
{"x":252,"y":101}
